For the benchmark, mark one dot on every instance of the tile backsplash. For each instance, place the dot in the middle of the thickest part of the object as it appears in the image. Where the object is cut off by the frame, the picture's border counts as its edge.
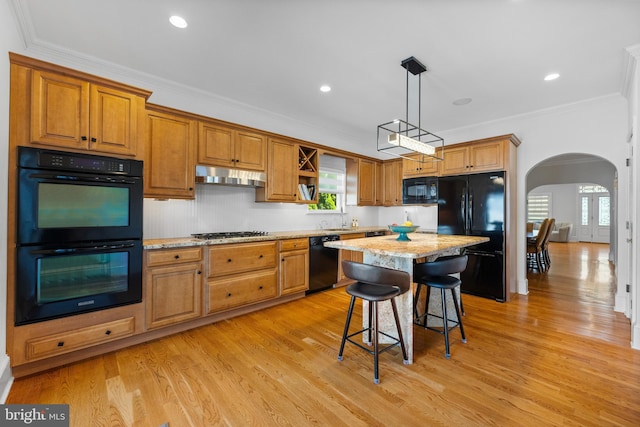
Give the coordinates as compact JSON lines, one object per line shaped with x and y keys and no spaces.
{"x":226,"y":208}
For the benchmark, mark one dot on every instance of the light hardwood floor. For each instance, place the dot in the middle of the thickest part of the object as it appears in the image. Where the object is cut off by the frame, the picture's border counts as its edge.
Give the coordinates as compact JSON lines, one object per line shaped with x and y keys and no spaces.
{"x":559,"y":356}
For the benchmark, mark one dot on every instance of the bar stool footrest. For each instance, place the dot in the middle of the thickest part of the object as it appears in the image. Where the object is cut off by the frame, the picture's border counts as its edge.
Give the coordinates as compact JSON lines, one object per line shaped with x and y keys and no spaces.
{"x":387,"y":346}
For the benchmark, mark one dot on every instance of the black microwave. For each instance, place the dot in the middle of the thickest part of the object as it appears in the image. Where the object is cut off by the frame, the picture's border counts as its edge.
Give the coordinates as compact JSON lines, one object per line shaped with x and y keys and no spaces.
{"x":420,"y":191}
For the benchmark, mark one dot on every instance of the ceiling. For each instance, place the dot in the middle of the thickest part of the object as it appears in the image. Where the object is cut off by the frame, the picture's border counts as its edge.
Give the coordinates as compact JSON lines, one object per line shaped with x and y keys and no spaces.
{"x":275,"y":54}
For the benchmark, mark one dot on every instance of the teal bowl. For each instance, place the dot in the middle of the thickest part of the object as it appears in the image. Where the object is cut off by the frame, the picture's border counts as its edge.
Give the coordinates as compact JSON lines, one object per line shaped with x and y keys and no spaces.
{"x":403,"y":230}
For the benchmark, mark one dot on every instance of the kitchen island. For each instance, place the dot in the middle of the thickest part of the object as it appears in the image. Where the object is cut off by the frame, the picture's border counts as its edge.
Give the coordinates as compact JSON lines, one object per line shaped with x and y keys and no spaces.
{"x":387,"y":251}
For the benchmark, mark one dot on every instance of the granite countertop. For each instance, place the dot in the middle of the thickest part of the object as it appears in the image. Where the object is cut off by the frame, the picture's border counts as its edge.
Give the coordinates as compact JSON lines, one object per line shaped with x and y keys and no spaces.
{"x":178,"y":242}
{"x":421,"y":244}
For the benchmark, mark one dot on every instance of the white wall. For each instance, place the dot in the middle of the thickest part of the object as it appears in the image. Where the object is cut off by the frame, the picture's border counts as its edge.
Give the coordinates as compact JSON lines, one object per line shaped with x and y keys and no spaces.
{"x":632,"y":91}
{"x":563,"y":204}
{"x":9,"y":41}
{"x":597,"y":127}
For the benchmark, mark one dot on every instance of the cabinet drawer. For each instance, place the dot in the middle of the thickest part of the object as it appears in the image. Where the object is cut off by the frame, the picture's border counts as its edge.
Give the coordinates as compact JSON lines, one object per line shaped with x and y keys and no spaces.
{"x":230,"y":259}
{"x":294,"y":244}
{"x":53,"y":345}
{"x":243,"y":289}
{"x":172,"y":256}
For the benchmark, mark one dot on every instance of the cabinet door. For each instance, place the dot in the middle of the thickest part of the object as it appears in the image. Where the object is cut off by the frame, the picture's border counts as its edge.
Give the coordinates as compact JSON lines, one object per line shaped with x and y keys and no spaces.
{"x":393,"y":183}
{"x":215,"y":145}
{"x":114,"y":121}
{"x":419,"y":165}
{"x":347,"y":255}
{"x":366,"y":183}
{"x":173,"y":294}
{"x":59,"y":110}
{"x":456,"y":160}
{"x":282,"y":175}
{"x":487,"y":156}
{"x":250,"y":150}
{"x":379,"y":184}
{"x":169,"y":166}
{"x":294,"y":271}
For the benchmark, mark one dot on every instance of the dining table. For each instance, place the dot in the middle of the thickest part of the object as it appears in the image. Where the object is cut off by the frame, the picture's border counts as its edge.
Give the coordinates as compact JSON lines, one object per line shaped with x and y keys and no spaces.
{"x":387,"y":251}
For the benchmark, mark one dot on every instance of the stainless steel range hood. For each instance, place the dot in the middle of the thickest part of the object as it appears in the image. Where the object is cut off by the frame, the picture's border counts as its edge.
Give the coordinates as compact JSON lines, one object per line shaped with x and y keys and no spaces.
{"x":228,"y":176}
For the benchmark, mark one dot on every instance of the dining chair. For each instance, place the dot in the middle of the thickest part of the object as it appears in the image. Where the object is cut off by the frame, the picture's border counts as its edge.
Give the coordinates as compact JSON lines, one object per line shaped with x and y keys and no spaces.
{"x":535,"y":247}
{"x":545,"y":244}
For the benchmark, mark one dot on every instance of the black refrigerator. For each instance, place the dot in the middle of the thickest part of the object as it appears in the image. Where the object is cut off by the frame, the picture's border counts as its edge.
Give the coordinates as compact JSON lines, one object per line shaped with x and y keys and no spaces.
{"x":474,"y":205}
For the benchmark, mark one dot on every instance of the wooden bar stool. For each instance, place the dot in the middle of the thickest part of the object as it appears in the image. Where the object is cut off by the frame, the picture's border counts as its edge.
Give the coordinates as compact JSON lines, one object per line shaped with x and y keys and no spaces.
{"x":437,"y":274}
{"x":374,"y":284}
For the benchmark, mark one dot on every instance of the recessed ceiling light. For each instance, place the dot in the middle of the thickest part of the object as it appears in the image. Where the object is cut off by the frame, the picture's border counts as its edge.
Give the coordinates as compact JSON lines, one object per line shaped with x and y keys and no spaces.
{"x":178,"y":21}
{"x":325,"y":88}
{"x":551,"y":76}
{"x":462,"y":101}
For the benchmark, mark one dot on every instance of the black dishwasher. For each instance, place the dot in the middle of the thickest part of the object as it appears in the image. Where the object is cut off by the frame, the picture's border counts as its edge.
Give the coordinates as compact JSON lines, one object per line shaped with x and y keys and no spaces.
{"x":323,"y":263}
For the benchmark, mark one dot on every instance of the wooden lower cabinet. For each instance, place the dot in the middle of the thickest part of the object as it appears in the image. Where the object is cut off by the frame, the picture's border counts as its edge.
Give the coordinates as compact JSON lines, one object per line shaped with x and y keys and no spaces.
{"x":241,"y":274}
{"x":56,"y":344}
{"x":294,"y":265}
{"x":46,"y":342}
{"x":347,"y":255}
{"x":173,"y":286}
{"x":238,"y":290}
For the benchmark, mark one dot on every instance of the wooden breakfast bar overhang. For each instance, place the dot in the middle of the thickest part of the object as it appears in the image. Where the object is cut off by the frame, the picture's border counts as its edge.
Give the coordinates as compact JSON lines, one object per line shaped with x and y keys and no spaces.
{"x":388,"y":252}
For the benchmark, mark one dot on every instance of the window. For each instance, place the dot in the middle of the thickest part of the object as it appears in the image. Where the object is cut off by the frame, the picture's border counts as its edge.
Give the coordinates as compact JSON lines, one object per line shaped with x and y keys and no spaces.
{"x":591,"y":188}
{"x":538,"y":207}
{"x":331,"y":185}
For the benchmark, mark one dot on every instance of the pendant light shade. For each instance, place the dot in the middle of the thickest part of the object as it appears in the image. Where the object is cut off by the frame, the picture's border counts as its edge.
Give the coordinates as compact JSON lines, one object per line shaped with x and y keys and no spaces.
{"x":400,"y":137}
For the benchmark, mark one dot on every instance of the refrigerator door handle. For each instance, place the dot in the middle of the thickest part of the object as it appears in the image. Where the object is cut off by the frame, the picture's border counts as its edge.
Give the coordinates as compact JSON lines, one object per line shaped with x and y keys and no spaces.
{"x":470,"y":213}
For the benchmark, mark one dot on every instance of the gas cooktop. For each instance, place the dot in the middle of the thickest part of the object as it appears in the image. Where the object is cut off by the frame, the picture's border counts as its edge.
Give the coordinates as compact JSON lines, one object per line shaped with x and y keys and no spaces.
{"x":229,"y":234}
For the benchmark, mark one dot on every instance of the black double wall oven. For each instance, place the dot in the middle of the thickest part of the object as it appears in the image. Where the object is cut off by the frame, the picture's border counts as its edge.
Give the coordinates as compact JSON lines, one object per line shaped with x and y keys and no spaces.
{"x":79,"y":234}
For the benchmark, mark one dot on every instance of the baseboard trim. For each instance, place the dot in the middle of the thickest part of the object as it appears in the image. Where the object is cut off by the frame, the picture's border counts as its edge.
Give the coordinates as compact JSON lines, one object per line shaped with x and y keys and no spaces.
{"x":635,"y":336}
{"x":6,"y":379}
{"x":523,"y":287}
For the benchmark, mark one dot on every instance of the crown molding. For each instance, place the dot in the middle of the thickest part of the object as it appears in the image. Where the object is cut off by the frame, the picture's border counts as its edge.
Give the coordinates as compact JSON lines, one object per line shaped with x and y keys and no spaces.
{"x":631,"y":59}
{"x":23,"y":21}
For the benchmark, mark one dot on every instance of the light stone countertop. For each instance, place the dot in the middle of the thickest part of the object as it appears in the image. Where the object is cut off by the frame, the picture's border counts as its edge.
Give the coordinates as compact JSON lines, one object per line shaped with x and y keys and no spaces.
{"x":421,"y":244}
{"x":179,"y":242}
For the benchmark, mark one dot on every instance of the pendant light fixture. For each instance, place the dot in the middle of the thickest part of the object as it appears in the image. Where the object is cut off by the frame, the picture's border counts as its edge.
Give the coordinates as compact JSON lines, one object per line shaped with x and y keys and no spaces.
{"x":401,"y":137}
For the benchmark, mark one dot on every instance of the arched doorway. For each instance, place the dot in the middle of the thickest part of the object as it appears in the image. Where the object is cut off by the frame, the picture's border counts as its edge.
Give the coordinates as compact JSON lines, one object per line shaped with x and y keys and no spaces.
{"x":580,"y":190}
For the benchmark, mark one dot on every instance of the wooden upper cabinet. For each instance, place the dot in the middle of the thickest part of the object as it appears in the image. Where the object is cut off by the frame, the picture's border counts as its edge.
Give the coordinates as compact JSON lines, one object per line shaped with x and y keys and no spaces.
{"x":473,"y":157}
{"x":68,"y":112}
{"x":223,"y":146}
{"x":169,"y":167}
{"x":362,"y":182}
{"x":420,"y":165}
{"x":392,"y":183}
{"x":379,"y":184}
{"x":367,"y":183}
{"x":282,"y":172}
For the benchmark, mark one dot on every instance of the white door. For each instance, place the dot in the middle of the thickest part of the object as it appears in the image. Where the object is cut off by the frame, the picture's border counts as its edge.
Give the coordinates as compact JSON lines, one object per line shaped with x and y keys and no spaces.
{"x":595,"y":217}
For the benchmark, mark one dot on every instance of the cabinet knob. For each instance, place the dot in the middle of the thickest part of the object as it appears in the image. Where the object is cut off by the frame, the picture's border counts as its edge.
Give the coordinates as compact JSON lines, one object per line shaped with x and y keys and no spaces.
{"x":261,"y":256}
{"x":228,"y":294}
{"x":93,"y":140}
{"x":229,"y":260}
{"x":282,"y":260}
{"x":60,"y":343}
{"x":177,"y":256}
{"x":199,"y":272}
{"x":84,"y":138}
{"x":260,"y":287}
{"x":107,"y":332}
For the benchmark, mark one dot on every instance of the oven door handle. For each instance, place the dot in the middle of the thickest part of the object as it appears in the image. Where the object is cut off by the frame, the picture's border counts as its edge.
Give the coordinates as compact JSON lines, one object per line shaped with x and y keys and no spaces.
{"x":75,"y":178}
{"x":91,"y":249}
